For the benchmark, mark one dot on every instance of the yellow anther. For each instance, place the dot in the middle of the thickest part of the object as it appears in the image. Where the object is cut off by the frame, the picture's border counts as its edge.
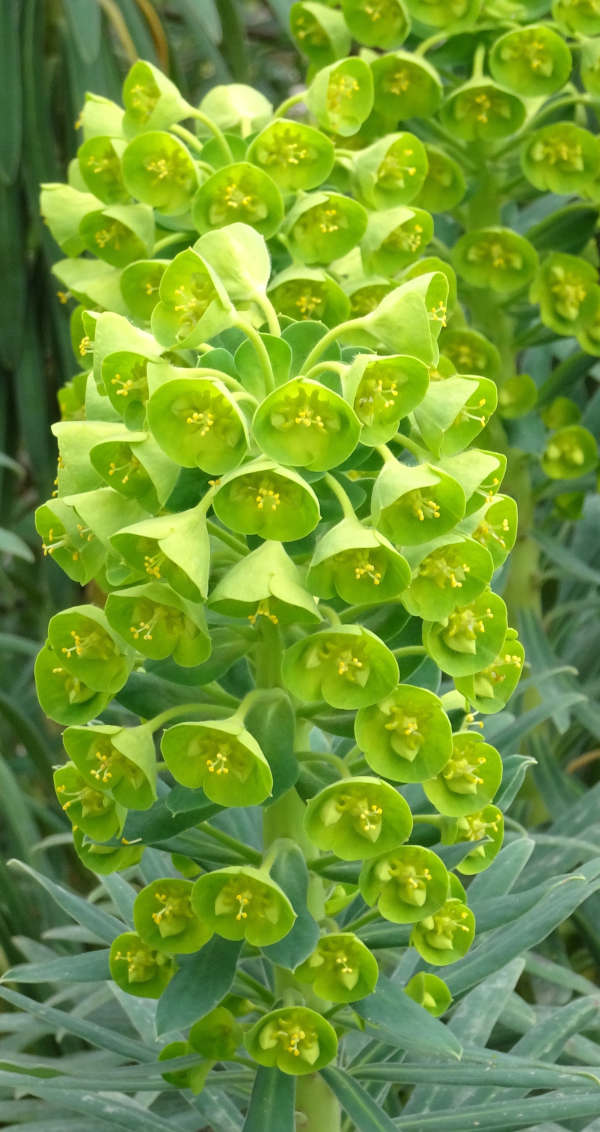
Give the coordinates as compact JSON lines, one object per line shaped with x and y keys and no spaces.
{"x":218,"y":765}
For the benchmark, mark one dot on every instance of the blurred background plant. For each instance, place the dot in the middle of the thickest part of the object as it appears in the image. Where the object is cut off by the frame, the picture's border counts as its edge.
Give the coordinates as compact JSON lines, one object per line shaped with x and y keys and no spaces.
{"x":52,"y":52}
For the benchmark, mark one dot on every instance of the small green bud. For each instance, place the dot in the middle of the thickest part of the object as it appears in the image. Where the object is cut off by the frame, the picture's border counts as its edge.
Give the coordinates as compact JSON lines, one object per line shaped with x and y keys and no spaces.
{"x":217,"y":1035}
{"x":151,"y":100}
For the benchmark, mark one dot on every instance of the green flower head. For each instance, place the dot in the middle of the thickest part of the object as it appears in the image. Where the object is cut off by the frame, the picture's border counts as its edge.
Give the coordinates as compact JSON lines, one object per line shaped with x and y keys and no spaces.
{"x":358,"y":818}
{"x":324,"y":226}
{"x":151,"y":100}
{"x":119,"y":233}
{"x":405,"y":883}
{"x":139,"y":969}
{"x":379,"y":23}
{"x":89,"y":649}
{"x":166,"y":920}
{"x":358,"y":564}
{"x":413,"y":505}
{"x":480,"y":110}
{"x":406,"y":736}
{"x":222,"y":758}
{"x":266,"y":583}
{"x":158,"y":170}
{"x":238,"y":193}
{"x":533,"y":61}
{"x":295,"y":1039}
{"x":495,"y":257}
{"x":570,"y":452}
{"x":92,"y":809}
{"x":320,"y":32}
{"x":391,"y":171}
{"x":159,"y":623}
{"x":448,"y":572}
{"x":173,"y":548}
{"x":490,"y":689}
{"x":309,"y":293}
{"x":243,"y":903}
{"x":349,"y":667}
{"x":495,"y":526}
{"x":63,"y":696}
{"x":99,"y":160}
{"x":340,"y":969}
{"x":382,"y":391}
{"x":105,"y":859}
{"x":193,"y":303}
{"x":444,"y":186}
{"x":265,"y":499}
{"x":446,"y":935}
{"x":487,"y":825}
{"x":405,"y":86}
{"x":561,"y":158}
{"x":295,"y":156}
{"x":469,"y":639}
{"x":304,"y":424}
{"x":120,"y":760}
{"x":67,"y":540}
{"x":341,"y":96}
{"x":469,"y":779}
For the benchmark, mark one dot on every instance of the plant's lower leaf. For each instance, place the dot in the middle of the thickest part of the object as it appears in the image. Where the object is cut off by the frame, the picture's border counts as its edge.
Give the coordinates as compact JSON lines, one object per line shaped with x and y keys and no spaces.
{"x":271,"y":1106}
{"x":199,"y":985}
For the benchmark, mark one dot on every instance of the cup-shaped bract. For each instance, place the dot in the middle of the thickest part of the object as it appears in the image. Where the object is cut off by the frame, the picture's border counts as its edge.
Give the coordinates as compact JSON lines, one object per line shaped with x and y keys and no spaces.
{"x":430,"y":992}
{"x":239,"y":192}
{"x":405,"y":87}
{"x":533,"y":61}
{"x":470,"y":352}
{"x":193,"y":304}
{"x":217,"y":1035}
{"x":319,"y":31}
{"x":487,"y":826}
{"x":171,"y":547}
{"x":489,"y":690}
{"x":262,"y":498}
{"x":414,"y":504}
{"x":517,"y":396}
{"x":380,"y":23}
{"x":430,"y":264}
{"x":266,"y":583}
{"x":394,"y":238}
{"x":164,"y":917}
{"x":138,"y":968}
{"x":481,"y":110}
{"x":357,"y":563}
{"x":124,"y":377}
{"x":470,"y":778}
{"x":570,"y":452}
{"x":447,"y":573}
{"x":151,"y":100}
{"x":341,"y":96}
{"x":88,"y":648}
{"x":454,"y":411}
{"x":91,"y":809}
{"x":99,"y":161}
{"x":437,"y":14}
{"x":495,"y":526}
{"x":468,"y":639}
{"x":235,"y":107}
{"x":444,"y":186}
{"x":406,"y":883}
{"x":565,"y":289}
{"x":158,"y":170}
{"x":347,"y":666}
{"x":391,"y":171}
{"x":309,"y":293}
{"x":63,"y":209}
{"x":67,"y":540}
{"x":220,"y":757}
{"x":382,"y":391}
{"x":241,"y":902}
{"x":340,"y":969}
{"x":366,"y":292}
{"x":406,"y":736}
{"x":495,"y":257}
{"x":358,"y":818}
{"x":159,"y":623}
{"x":577,"y":16}
{"x":305,"y":424}
{"x":561,"y":158}
{"x":295,"y":156}
{"x":445,"y":935}
{"x":63,"y":696}
{"x":139,"y":284}
{"x":295,"y":1039}
{"x":105,"y":859}
{"x":408,"y":320}
{"x":324,"y":226}
{"x":240,"y":257}
{"x":195,"y":419}
{"x":119,"y":233}
{"x":134,"y":465}
{"x":117,"y":759}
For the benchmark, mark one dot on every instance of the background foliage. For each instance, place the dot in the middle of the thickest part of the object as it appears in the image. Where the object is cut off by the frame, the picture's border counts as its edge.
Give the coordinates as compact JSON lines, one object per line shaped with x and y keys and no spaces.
{"x":541,"y":1007}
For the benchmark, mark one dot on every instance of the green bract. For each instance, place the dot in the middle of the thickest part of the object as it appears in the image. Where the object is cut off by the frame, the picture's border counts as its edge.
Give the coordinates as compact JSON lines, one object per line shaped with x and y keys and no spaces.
{"x":322,"y":227}
{"x":358,"y":818}
{"x":391,"y":171}
{"x":222,"y":758}
{"x":429,"y":991}
{"x":489,"y":690}
{"x":444,"y":185}
{"x":170,"y":547}
{"x":340,"y":969}
{"x":138,"y":968}
{"x":304,"y":424}
{"x":446,"y":935}
{"x":446,"y":573}
{"x":496,"y":258}
{"x":158,"y":169}
{"x":265,"y":584}
{"x":238,"y":193}
{"x":295,"y":156}
{"x":195,"y":419}
{"x":341,"y":96}
{"x":562,"y":157}
{"x":357,"y":563}
{"x":91,"y":809}
{"x":243,"y":903}
{"x":193,"y":303}
{"x":295,"y":1039}
{"x":88,"y":649}
{"x":480,"y":110}
{"x":406,"y":736}
{"x":405,"y":86}
{"x":531,"y":61}
{"x":319,"y":31}
{"x":117,"y":759}
{"x":570,"y":452}
{"x":468,"y":639}
{"x":415,"y":504}
{"x":407,"y":883}
{"x":159,"y":623}
{"x":487,"y":825}
{"x":382,"y":391}
{"x":379,"y":23}
{"x":348,"y":666}
{"x":265,"y":499}
{"x":165,"y":919}
{"x":469,"y":779}
{"x":565,"y":288}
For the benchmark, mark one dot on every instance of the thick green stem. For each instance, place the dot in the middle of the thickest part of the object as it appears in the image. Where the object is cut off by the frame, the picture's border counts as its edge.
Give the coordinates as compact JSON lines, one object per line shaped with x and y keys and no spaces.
{"x":317,"y":1108}
{"x":216,"y":132}
{"x":261,"y":352}
{"x":287,"y":104}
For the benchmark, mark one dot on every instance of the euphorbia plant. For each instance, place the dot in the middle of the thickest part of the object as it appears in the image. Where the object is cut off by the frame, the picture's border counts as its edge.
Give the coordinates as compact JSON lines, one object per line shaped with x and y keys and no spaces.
{"x":267,"y":474}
